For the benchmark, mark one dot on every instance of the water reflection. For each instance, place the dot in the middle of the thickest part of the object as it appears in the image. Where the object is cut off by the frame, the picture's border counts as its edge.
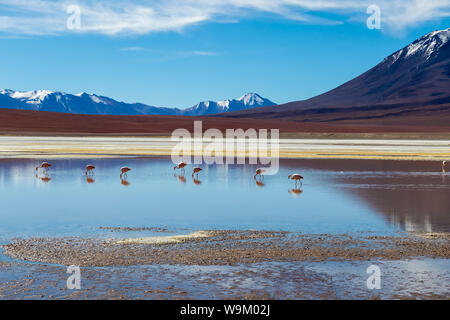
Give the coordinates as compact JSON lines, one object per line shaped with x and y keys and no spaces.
{"x":411,"y":195}
{"x":259,"y":183}
{"x":44,"y":178}
{"x":180,"y":178}
{"x":367,"y":195}
{"x":124,"y":182}
{"x":295,"y":191}
{"x":90,"y":180}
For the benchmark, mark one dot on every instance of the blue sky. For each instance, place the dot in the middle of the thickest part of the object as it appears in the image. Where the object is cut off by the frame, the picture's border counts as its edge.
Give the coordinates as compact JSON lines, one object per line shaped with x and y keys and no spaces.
{"x":169,"y":55}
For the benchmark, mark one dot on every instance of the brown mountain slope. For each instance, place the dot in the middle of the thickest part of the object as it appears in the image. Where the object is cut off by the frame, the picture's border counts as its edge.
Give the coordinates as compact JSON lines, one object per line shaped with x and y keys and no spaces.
{"x":412,"y":83}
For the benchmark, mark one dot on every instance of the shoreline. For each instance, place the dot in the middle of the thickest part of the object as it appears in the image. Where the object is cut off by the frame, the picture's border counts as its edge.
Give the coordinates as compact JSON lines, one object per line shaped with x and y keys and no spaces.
{"x":226,"y":247}
{"x":54,"y":147}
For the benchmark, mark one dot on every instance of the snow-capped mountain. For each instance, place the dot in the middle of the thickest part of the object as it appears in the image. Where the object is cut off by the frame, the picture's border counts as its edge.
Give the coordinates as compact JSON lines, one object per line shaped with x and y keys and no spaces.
{"x":417,"y":72}
{"x":84,"y":103}
{"x":425,"y":47}
{"x":411,"y":78}
{"x":247,"y":101}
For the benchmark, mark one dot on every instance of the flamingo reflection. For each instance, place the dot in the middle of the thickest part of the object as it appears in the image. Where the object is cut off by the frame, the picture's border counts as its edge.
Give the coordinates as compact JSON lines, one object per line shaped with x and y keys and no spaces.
{"x":125,"y":182}
{"x":90,"y":180}
{"x":45,"y":178}
{"x":259,"y":183}
{"x":196,"y":181}
{"x":181,"y":178}
{"x":295,"y":191}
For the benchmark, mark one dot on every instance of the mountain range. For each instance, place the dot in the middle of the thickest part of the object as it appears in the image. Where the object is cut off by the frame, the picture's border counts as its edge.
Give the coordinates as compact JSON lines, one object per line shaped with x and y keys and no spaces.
{"x":407,"y":92}
{"x":83,"y":103}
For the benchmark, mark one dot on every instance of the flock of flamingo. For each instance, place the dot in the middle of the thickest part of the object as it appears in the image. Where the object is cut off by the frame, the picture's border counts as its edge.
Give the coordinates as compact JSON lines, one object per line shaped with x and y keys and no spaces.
{"x":258,"y":177}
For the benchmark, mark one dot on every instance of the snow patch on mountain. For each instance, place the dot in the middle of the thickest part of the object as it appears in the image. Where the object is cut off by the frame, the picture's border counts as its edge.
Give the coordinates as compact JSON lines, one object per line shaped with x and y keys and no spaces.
{"x":425,"y":47}
{"x":31,"y":97}
{"x":247,"y":101}
{"x":428,"y":44}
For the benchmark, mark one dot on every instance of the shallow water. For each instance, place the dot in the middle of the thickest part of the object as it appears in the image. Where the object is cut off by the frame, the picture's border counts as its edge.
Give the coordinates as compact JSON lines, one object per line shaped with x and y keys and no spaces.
{"x":413,"y":279}
{"x":337,"y":196}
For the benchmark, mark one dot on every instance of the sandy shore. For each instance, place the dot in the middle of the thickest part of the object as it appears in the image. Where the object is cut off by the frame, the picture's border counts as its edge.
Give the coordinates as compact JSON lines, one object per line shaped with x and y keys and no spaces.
{"x":226,"y":247}
{"x":102,"y":147}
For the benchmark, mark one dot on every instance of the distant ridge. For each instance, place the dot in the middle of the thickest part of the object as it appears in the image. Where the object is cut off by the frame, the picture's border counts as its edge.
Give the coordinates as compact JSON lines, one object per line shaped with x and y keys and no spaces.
{"x":84,"y":103}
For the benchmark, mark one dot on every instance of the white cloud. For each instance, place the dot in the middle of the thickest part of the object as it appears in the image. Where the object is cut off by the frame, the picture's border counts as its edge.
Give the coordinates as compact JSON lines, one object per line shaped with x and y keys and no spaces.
{"x":133,"y":49}
{"x":42,"y":17}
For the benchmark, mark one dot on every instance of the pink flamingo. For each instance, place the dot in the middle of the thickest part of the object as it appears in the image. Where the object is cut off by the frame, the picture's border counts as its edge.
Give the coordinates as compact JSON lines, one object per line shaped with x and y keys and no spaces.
{"x":123,"y":172}
{"x":181,"y":166}
{"x":89,"y":169}
{"x":259,"y":172}
{"x":296,"y":177}
{"x":44,"y":165}
{"x":196,"y":171}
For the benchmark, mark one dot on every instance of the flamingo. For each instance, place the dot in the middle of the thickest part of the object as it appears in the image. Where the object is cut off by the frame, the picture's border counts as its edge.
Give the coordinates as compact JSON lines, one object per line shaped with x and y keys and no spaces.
{"x":297,"y":177}
{"x":259,"y":172}
{"x":89,"y":169}
{"x":444,"y":163}
{"x":196,"y":171}
{"x":123,"y":171}
{"x":44,"y":165}
{"x":181,"y":166}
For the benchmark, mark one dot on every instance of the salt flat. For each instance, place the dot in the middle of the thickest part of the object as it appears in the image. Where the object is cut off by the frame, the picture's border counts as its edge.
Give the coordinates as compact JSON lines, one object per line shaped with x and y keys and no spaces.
{"x":95,"y":147}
